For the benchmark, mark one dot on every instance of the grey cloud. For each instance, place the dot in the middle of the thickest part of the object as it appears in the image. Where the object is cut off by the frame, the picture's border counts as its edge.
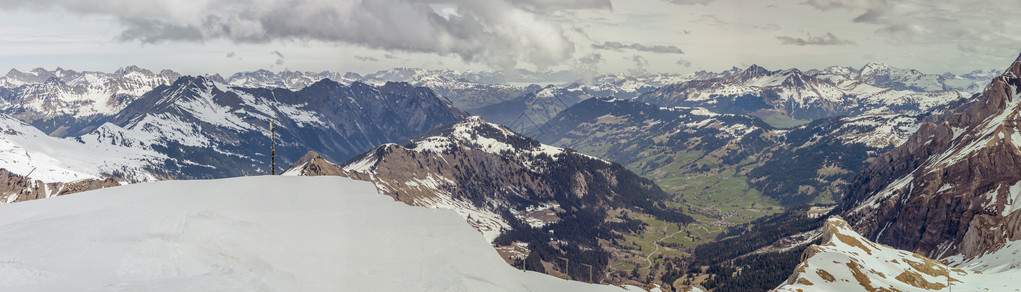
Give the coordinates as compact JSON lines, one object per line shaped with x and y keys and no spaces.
{"x":870,"y":16}
{"x":230,"y":55}
{"x":389,"y":56}
{"x":588,"y":66}
{"x":566,"y":4}
{"x":280,"y":57}
{"x":770,"y":27}
{"x":960,"y":23}
{"x":151,"y":31}
{"x":684,"y":63}
{"x":617,"y":46}
{"x":366,"y":59}
{"x":640,"y":64}
{"x":825,"y":5}
{"x":827,"y":40}
{"x":710,"y":20}
{"x":500,"y":33}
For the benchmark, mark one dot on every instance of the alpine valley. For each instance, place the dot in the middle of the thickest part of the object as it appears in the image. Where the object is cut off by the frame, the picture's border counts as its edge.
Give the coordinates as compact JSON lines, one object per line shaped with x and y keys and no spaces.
{"x":873,"y":178}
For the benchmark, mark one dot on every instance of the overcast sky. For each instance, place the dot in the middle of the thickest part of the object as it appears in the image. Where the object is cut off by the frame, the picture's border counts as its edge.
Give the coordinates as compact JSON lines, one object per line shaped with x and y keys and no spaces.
{"x":680,"y":36}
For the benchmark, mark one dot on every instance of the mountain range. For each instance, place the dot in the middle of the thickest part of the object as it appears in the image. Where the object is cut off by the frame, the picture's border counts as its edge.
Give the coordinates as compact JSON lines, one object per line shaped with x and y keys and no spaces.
{"x":785,"y":96}
{"x":718,"y":173}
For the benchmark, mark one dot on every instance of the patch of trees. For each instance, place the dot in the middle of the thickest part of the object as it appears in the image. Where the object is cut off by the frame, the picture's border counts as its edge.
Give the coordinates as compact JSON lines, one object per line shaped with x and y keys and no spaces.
{"x":628,"y":224}
{"x":730,"y":270}
{"x":760,"y":272}
{"x":788,"y":169}
{"x":744,"y":238}
{"x":630,"y":190}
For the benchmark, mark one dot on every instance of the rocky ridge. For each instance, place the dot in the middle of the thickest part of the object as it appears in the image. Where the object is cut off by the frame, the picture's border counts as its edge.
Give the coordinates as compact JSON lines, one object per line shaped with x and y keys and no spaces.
{"x":847,"y":261}
{"x":952,"y":188}
{"x":798,"y":95}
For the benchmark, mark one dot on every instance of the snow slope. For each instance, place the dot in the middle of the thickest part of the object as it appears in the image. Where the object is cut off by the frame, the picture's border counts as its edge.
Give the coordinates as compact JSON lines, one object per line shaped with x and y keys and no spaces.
{"x":846,"y":261}
{"x":250,"y":234}
{"x":24,"y":149}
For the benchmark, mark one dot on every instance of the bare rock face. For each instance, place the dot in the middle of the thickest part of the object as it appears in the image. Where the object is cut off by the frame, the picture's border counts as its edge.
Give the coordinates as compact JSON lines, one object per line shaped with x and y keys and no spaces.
{"x":18,"y":188}
{"x":954,"y":187}
{"x":312,"y":164}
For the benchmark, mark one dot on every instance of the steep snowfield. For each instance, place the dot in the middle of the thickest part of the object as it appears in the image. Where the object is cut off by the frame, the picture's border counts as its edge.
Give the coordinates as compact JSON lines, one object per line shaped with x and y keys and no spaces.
{"x":250,"y":234}
{"x":846,"y":261}
{"x":24,"y":148}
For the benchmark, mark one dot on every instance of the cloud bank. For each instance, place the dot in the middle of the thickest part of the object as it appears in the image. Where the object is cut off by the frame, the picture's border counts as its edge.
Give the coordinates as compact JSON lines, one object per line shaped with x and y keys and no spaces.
{"x":827,"y":40}
{"x":617,"y":46}
{"x":989,"y":24}
{"x":500,"y":33}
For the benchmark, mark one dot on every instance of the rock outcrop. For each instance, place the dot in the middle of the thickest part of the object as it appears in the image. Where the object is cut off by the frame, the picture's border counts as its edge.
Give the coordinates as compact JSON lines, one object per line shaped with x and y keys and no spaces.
{"x":18,"y":188}
{"x":846,"y":261}
{"x":953,"y":187}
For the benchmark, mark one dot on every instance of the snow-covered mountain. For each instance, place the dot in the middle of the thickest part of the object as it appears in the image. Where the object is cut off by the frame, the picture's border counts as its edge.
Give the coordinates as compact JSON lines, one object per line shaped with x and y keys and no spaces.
{"x":798,"y":95}
{"x":847,"y":261}
{"x":953,"y":188}
{"x":530,"y":110}
{"x":537,"y":200}
{"x":65,"y":102}
{"x":814,"y":161}
{"x":251,"y":234}
{"x":30,"y":152}
{"x":293,"y":80}
{"x":214,"y":130}
{"x":884,"y":75}
{"x":472,"y":90}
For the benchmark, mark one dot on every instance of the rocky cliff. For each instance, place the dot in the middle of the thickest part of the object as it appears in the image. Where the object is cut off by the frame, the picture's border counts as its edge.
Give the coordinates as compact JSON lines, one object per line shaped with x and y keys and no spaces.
{"x":18,"y":188}
{"x":953,"y":187}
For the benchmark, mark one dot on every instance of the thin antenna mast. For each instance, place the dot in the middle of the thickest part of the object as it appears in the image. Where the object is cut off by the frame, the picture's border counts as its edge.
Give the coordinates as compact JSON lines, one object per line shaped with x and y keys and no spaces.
{"x":273,"y":148}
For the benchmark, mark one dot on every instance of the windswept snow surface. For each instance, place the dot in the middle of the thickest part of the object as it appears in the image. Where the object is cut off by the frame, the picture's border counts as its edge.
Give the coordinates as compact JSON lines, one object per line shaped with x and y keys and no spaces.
{"x":266,"y":233}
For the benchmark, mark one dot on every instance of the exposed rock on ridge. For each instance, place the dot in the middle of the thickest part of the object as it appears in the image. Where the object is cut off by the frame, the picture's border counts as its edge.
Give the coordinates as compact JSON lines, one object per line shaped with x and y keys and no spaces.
{"x":954,"y":187}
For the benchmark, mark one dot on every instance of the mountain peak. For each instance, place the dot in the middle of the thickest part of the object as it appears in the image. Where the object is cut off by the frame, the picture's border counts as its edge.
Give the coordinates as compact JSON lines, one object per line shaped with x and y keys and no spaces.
{"x":871,"y":68}
{"x":133,"y":69}
{"x":313,"y":164}
{"x":753,"y":71}
{"x":1015,"y":68}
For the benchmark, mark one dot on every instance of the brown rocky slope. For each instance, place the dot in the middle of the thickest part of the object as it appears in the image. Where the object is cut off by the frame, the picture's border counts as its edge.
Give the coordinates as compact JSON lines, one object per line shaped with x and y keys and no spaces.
{"x":953,"y":187}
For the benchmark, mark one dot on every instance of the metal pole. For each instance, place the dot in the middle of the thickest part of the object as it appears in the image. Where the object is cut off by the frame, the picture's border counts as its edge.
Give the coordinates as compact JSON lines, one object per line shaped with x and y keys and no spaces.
{"x":273,"y":149}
